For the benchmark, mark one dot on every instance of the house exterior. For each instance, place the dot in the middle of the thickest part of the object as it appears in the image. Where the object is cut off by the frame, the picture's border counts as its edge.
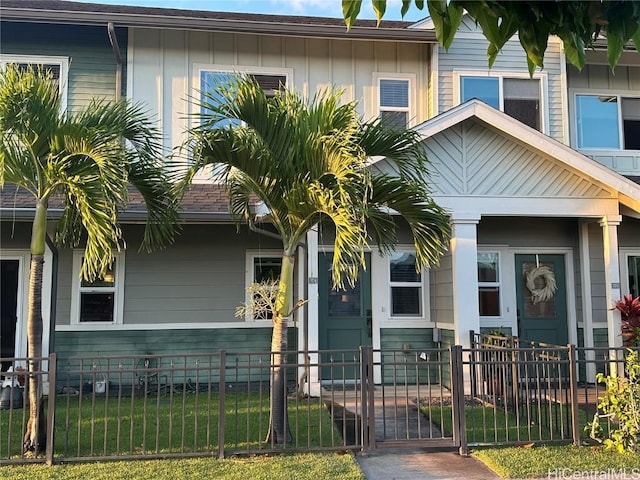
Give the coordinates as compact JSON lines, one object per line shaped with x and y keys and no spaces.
{"x":537,"y":174}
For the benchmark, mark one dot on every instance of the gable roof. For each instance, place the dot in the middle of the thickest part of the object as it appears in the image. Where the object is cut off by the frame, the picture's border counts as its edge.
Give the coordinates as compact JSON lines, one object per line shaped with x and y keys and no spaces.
{"x":628,"y":190}
{"x":60,"y":11}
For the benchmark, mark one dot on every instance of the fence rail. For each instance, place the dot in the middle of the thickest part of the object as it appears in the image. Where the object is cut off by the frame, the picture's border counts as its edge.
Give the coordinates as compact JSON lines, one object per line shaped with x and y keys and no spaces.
{"x":500,"y":391}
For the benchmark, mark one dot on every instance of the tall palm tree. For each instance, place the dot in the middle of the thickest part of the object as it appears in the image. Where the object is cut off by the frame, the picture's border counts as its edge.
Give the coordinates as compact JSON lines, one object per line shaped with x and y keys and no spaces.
{"x":308,"y":162}
{"x":85,"y":161}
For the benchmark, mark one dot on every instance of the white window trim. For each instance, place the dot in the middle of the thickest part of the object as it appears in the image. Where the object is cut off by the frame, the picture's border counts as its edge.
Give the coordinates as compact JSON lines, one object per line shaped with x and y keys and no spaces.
{"x":508,"y":301}
{"x":42,"y":60}
{"x":625,"y":253}
{"x":498,"y":284}
{"x":381,"y":295}
{"x":411,"y":110}
{"x":597,"y":92}
{"x":501,"y":75}
{"x":251,"y":255}
{"x":118,"y":301}
{"x":198,"y":68}
{"x":421,"y":284}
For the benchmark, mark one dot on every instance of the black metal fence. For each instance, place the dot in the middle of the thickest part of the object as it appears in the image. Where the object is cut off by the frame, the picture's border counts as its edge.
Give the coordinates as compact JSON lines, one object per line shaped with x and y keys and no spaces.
{"x":150,"y":406}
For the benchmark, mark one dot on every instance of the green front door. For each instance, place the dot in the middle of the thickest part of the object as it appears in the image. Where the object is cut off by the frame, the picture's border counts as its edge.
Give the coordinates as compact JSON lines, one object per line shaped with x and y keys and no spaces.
{"x":542,"y":312}
{"x":345,"y":318}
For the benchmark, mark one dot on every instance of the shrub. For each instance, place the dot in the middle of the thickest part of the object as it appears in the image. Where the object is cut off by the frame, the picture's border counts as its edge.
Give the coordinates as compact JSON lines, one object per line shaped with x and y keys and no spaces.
{"x":620,"y":405}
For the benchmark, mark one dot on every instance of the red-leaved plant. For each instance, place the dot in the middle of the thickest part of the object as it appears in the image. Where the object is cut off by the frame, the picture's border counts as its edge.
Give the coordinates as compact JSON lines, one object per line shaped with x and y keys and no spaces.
{"x":629,"y":309}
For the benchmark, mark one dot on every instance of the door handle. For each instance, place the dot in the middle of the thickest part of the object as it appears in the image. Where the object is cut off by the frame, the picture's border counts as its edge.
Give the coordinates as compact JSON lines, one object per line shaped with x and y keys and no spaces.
{"x":369,"y":323}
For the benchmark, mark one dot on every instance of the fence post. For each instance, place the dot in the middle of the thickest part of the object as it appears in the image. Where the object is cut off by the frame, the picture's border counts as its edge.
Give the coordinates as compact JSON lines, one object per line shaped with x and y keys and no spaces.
{"x":472,"y":364}
{"x":51,"y":409}
{"x":222,"y":391}
{"x":457,"y":399}
{"x":573,"y":379}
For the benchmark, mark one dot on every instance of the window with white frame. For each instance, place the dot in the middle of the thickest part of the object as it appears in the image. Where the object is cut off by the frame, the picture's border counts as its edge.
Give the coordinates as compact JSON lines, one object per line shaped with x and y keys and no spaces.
{"x":58,"y":67}
{"x":262,"y":267}
{"x":100,"y":301}
{"x":489,"y":284}
{"x":633,"y":269}
{"x":519,"y":98}
{"x":394,"y":102}
{"x":211,"y":77}
{"x":608,"y":121}
{"x":406,"y":285}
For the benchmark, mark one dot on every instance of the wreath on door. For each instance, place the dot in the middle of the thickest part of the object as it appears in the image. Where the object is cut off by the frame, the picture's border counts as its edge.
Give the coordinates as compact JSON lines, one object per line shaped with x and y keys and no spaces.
{"x":548,"y":290}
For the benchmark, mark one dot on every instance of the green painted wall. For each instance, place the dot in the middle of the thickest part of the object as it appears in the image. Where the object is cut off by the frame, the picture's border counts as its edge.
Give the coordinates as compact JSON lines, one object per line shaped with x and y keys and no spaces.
{"x":399,"y":367}
{"x":189,"y":350}
{"x":92,"y":65}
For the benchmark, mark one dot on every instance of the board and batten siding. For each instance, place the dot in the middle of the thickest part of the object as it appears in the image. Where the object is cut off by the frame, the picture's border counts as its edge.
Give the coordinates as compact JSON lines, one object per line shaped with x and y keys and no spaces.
{"x":92,"y":64}
{"x":162,"y":74}
{"x":198,"y":279}
{"x":468,"y":53}
{"x":598,"y":79}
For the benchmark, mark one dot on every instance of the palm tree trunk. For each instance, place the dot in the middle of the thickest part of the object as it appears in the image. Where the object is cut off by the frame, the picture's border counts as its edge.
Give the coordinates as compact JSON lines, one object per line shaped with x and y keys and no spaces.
{"x":279,"y":431}
{"x":34,"y":437}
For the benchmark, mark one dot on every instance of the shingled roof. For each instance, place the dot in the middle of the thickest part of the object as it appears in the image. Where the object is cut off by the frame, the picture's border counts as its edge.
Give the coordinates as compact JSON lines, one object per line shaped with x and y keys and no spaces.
{"x":60,"y":11}
{"x":202,"y":202}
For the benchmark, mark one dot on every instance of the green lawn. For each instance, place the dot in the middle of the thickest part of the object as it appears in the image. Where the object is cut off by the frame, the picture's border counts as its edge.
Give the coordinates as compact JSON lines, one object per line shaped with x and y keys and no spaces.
{"x":487,"y":424}
{"x":186,"y":422}
{"x":542,"y":461}
{"x":304,"y":466}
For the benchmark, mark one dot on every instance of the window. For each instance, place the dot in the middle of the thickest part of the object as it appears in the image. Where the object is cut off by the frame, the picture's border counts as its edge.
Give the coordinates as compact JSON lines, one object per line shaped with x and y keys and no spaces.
{"x":517,"y":97}
{"x":489,"y":284}
{"x":394,"y":102}
{"x":262,"y":267}
{"x":608,"y":122}
{"x":57,"y":66}
{"x":633,"y":267}
{"x":406,"y":285}
{"x":210,"y":78}
{"x":100,"y":301}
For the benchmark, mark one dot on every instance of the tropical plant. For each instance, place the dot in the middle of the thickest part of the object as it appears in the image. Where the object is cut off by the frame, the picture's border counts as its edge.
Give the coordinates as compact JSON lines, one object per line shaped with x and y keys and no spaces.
{"x":577,"y":23}
{"x":619,"y":409}
{"x":84,"y":161}
{"x":308,"y":163}
{"x":629,"y":309}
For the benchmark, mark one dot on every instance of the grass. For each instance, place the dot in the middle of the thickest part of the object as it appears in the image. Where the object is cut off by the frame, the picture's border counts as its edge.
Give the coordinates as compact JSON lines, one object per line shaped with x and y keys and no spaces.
{"x":542,"y":461}
{"x":488,"y":424}
{"x":87,"y":426}
{"x":306,"y":466}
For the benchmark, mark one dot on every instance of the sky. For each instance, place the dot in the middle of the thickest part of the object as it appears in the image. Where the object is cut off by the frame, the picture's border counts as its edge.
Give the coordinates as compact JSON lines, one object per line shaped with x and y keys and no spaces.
{"x":318,"y":8}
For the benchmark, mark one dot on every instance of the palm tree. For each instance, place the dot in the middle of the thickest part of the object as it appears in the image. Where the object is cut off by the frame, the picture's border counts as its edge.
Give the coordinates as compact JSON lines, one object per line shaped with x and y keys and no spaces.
{"x":309,"y":163}
{"x":85,"y":161}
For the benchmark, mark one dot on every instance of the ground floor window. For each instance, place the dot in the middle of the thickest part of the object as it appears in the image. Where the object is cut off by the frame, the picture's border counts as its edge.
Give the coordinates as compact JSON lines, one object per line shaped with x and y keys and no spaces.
{"x":633,"y":266}
{"x":489,"y":284}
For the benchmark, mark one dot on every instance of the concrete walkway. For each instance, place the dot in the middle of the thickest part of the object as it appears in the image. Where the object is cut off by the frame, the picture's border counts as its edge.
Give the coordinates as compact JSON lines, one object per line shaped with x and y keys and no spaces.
{"x":421,"y":464}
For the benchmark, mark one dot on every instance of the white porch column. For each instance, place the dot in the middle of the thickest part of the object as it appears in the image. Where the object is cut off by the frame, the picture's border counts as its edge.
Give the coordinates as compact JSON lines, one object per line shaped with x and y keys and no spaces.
{"x":312,"y":306}
{"x":609,"y":224}
{"x":464,"y":258}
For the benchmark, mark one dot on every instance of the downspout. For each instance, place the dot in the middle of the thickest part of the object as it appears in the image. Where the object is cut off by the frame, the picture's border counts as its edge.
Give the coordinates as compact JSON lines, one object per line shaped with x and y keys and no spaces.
{"x":116,"y":52}
{"x":54,"y":292}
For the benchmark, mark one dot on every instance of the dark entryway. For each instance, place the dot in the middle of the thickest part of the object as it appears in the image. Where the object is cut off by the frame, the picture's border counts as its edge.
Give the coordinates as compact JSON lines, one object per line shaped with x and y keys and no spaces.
{"x":8,"y":308}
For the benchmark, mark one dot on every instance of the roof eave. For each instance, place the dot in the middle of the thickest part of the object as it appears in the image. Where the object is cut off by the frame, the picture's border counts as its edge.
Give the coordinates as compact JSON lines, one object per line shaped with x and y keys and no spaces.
{"x":220,"y":25}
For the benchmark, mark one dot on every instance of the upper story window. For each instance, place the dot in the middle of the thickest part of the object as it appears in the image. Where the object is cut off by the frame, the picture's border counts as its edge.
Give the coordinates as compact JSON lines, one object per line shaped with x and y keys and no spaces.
{"x":520,"y":98}
{"x":395,"y":99}
{"x":212,"y":76}
{"x":58,"y":67}
{"x":100,"y":301}
{"x":489,"y":284}
{"x":608,"y":122}
{"x":406,"y":286}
